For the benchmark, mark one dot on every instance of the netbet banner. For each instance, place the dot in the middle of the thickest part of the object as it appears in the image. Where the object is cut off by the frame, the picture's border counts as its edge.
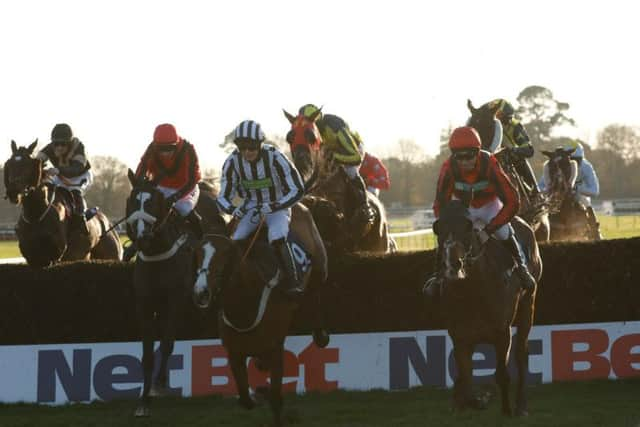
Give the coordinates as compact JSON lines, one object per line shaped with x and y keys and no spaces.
{"x":57,"y":374}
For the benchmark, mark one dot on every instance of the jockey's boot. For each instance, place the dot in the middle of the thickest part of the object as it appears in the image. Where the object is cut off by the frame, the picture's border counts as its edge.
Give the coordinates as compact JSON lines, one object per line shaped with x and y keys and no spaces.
{"x":360,"y":194}
{"x":593,"y":223}
{"x":291,"y":285}
{"x":78,"y":218}
{"x":433,"y":285}
{"x":194,"y":222}
{"x":526,"y":279}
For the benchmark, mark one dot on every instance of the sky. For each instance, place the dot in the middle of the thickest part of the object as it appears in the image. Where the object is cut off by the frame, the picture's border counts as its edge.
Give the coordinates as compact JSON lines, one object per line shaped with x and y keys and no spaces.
{"x":394,"y":69}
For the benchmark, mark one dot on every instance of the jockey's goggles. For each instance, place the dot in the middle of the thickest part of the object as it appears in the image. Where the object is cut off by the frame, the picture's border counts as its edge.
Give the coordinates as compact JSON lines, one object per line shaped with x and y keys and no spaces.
{"x":247,"y":144}
{"x":166,"y":148}
{"x":466,"y":154}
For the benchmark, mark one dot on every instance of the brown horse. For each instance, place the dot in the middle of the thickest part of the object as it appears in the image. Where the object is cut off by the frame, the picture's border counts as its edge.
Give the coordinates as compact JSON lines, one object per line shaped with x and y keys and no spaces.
{"x":483,"y":299}
{"x":326,"y":179}
{"x":484,"y":121}
{"x":44,"y":232}
{"x":569,"y":218}
{"x":253,"y":319}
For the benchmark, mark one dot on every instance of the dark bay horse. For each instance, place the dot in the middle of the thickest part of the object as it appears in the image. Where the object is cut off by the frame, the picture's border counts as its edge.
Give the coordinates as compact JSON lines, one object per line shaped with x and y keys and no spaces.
{"x":163,"y":273}
{"x":484,"y":121}
{"x":44,"y":231}
{"x":569,"y":218}
{"x":253,"y":317}
{"x":326,"y":179}
{"x":482,"y":299}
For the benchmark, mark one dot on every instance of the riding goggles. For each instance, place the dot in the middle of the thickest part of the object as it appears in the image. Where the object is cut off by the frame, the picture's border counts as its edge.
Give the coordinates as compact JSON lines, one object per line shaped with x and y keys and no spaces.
{"x":248,"y":145}
{"x":465,"y":154}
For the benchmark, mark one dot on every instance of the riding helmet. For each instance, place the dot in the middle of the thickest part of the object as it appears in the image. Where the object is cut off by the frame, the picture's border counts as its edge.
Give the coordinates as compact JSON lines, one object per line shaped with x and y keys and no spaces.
{"x":464,"y":138}
{"x":61,"y":133}
{"x":248,"y":130}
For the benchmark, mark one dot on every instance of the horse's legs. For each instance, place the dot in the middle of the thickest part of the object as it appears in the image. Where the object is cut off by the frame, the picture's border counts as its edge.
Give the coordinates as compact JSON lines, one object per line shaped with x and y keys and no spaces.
{"x":170,"y":320}
{"x":275,"y":395}
{"x":145,"y":319}
{"x":239,"y":369}
{"x":320,"y":335}
{"x":462,"y":396}
{"x":503,"y":344}
{"x":524,"y":321}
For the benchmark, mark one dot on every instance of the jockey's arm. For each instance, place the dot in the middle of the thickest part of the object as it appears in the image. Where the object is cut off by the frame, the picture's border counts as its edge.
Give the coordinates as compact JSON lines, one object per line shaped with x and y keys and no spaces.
{"x":523,"y":146}
{"x":589,"y":186}
{"x":444,"y":190}
{"x":74,"y":169}
{"x":228,"y":187}
{"x":290,"y":178}
{"x":507,"y":194}
{"x":194,"y":174}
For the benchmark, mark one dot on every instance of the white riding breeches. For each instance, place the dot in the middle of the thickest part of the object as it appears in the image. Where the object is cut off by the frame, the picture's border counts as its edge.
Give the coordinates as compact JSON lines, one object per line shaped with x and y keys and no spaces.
{"x":483,"y":215}
{"x":78,"y":183}
{"x":277,"y":223}
{"x":185,"y":205}
{"x":373,"y":190}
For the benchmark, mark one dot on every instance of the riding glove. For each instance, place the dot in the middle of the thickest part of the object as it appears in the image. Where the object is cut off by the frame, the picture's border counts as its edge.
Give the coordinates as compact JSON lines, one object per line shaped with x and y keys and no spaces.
{"x":483,"y":236}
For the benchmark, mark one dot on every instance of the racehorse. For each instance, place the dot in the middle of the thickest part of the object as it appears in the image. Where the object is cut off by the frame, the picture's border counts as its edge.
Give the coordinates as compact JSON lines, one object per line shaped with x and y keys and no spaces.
{"x":569,"y":218}
{"x":163,"y":272}
{"x":253,"y":318}
{"x":326,"y":179}
{"x":482,"y":299}
{"x":45,"y":234}
{"x":489,"y":128}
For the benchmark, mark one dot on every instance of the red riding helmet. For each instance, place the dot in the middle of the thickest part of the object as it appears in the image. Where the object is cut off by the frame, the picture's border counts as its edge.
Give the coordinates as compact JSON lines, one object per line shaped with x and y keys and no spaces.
{"x":464,"y":138}
{"x":166,"y":135}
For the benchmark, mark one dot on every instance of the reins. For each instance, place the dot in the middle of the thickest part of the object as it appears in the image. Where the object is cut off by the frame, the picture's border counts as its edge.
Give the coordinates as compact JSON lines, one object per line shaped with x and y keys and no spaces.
{"x":253,"y":239}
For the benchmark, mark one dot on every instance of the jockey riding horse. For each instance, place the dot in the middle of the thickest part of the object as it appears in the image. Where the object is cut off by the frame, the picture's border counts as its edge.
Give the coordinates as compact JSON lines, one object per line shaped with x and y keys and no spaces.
{"x":54,"y":225}
{"x":331,"y":178}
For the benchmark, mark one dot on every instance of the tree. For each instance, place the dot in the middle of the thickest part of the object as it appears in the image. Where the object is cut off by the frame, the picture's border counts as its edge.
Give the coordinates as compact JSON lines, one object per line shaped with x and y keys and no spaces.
{"x":110,"y":187}
{"x":541,"y":114}
{"x":622,"y":139}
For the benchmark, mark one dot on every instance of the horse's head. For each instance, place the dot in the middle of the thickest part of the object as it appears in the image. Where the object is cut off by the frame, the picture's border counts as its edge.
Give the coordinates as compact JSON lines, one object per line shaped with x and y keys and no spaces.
{"x":146,"y":211}
{"x":22,"y":172}
{"x":489,"y":128}
{"x":213,"y":259}
{"x":304,"y":139}
{"x":455,"y":231}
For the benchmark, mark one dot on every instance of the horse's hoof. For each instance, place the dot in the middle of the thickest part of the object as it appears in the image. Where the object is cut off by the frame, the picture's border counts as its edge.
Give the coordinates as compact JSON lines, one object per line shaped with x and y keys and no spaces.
{"x":321,"y":338}
{"x":479,"y":403}
{"x":142,"y":411}
{"x":522,"y":412}
{"x":158,"y":391}
{"x":261,"y":394}
{"x":247,"y":403}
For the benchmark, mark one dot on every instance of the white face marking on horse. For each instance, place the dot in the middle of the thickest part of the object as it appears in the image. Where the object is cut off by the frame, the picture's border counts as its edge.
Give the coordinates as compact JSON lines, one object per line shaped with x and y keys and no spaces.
{"x":17,"y":158}
{"x":451,"y":272}
{"x":202,"y":281}
{"x":142,"y":197}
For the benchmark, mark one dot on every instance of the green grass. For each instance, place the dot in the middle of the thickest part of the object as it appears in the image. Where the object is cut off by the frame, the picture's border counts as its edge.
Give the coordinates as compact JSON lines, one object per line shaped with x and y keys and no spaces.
{"x":9,"y":248}
{"x":598,"y":403}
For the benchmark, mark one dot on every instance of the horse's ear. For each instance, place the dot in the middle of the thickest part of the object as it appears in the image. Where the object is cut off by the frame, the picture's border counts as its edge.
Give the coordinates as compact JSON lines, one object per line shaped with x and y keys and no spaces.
{"x":289,"y":116}
{"x":32,"y":147}
{"x":315,"y":115}
{"x":436,"y":227}
{"x":14,"y":147}
{"x":470,"y":106}
{"x":132,"y":177}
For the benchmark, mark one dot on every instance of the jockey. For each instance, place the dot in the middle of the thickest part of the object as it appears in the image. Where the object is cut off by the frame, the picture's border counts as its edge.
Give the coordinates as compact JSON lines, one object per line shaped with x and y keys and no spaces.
{"x":347,"y":149}
{"x":71,"y":170}
{"x":515,"y":138}
{"x":475,"y":177}
{"x":173,"y":163}
{"x":587,"y":183}
{"x":269,"y":184}
{"x":375,"y":174}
